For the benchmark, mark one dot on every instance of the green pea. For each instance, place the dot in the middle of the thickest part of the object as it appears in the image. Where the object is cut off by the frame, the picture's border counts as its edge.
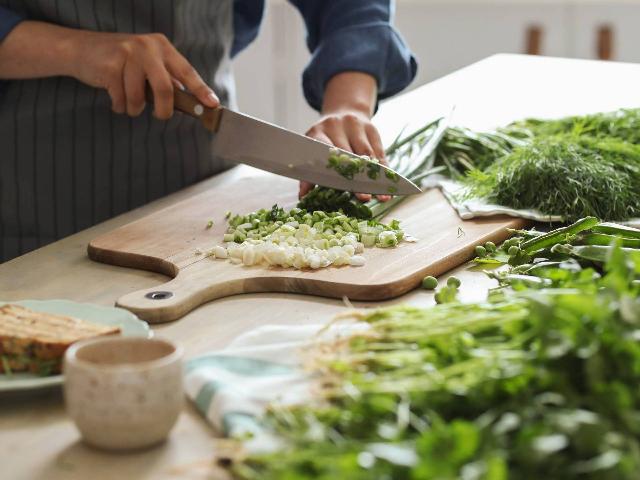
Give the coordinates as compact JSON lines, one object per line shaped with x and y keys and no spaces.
{"x":481,"y":251}
{"x":429,"y":283}
{"x":490,"y":247}
{"x":513,"y":250}
{"x":454,"y":282}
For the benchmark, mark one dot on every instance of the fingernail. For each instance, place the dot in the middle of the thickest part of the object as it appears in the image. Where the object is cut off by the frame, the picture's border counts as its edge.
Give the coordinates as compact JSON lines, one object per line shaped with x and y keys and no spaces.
{"x":213,"y":98}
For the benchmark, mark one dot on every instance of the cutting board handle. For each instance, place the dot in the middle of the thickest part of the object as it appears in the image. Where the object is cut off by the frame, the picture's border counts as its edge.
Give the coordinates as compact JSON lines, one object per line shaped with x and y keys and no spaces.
{"x":174,"y":299}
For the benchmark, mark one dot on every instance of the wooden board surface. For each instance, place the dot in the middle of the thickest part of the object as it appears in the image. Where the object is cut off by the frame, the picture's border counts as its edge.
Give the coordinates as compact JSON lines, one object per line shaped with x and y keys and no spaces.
{"x":167,"y":242}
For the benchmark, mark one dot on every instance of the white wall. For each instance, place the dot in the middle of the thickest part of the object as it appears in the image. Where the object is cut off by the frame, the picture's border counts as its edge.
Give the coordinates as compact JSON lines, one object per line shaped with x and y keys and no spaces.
{"x":445,"y":35}
{"x":269,"y":72}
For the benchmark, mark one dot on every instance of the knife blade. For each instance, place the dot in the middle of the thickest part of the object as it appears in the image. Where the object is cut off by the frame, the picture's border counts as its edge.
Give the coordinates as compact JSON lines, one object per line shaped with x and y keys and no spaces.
{"x":244,"y":139}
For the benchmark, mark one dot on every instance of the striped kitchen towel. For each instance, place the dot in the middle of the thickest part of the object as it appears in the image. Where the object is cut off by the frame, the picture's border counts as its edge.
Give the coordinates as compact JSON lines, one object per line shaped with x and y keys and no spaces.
{"x":233,"y":387}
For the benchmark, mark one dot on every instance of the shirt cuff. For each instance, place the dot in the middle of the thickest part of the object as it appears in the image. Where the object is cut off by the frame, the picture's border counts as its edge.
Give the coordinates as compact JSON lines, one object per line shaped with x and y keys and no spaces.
{"x":376,"y":49}
{"x":8,"y":20}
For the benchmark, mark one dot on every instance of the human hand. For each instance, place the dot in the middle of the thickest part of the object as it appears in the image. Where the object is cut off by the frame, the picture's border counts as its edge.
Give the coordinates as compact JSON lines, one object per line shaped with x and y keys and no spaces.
{"x":347,"y":106}
{"x":120,"y":63}
{"x":124,"y":63}
{"x":351,"y":131}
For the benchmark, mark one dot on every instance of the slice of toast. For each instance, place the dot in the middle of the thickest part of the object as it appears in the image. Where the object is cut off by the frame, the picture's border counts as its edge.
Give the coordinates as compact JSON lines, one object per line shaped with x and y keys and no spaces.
{"x":35,"y":341}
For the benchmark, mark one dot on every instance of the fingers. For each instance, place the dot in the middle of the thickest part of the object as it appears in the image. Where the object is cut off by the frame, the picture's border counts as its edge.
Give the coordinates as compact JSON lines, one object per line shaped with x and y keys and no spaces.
{"x":115,"y":88}
{"x":360,"y":144}
{"x":126,"y":62}
{"x":364,"y":197}
{"x":334,"y":132}
{"x":177,"y":84}
{"x":305,"y":187}
{"x":353,"y":133}
{"x":365,"y":140}
{"x":358,"y":138}
{"x":182,"y":70}
{"x":332,"y":135}
{"x":134,"y":85}
{"x":320,"y":136}
{"x":162,"y":87}
{"x":376,"y":142}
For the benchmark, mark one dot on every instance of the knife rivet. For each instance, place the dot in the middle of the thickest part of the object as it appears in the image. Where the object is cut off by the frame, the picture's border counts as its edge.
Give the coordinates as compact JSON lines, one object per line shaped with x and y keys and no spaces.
{"x":198,"y":110}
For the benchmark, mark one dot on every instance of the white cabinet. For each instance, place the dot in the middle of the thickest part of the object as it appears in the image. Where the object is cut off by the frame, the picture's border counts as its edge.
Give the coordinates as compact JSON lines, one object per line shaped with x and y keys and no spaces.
{"x":445,"y":35}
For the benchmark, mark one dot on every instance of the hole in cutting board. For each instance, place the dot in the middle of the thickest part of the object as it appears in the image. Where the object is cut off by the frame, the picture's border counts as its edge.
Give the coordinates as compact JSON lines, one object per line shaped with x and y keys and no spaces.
{"x":159,"y":295}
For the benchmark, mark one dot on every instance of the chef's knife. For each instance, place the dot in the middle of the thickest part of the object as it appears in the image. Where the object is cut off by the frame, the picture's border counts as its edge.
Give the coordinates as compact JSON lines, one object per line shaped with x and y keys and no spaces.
{"x":244,"y":139}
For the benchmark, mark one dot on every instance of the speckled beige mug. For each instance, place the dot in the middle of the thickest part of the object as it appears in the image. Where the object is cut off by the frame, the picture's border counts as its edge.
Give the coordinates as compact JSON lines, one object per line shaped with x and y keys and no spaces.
{"x":123,"y":393}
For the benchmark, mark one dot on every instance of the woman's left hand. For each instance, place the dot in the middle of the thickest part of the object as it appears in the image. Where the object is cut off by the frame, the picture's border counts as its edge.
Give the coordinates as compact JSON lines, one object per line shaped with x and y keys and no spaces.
{"x":346,"y":124}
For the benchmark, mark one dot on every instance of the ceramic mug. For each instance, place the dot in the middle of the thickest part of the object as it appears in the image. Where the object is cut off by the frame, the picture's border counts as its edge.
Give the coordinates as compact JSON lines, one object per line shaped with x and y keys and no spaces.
{"x":123,"y":393}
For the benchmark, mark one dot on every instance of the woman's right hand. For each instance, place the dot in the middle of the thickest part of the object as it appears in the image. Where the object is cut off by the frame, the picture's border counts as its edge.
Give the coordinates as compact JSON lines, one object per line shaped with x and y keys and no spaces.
{"x":124,"y":63}
{"x":118,"y":62}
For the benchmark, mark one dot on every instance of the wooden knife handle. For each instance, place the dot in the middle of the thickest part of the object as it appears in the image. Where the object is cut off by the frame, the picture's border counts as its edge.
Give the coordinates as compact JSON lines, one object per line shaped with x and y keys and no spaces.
{"x":190,"y":105}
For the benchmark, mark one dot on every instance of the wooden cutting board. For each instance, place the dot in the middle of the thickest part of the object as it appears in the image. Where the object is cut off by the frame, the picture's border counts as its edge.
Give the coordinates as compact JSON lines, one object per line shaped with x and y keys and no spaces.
{"x":167,"y":241}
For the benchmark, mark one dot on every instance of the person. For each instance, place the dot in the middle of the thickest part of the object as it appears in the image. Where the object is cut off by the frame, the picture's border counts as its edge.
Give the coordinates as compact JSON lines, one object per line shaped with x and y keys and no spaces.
{"x":79,"y":144}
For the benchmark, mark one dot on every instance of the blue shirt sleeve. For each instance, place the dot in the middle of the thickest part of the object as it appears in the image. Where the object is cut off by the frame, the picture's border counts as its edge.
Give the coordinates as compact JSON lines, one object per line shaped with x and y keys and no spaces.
{"x":353,"y":35}
{"x":247,"y":16}
{"x":8,"y":20}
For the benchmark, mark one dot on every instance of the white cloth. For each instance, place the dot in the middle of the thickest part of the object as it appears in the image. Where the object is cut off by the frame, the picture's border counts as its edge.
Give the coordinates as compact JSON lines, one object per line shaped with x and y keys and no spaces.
{"x":233,"y":387}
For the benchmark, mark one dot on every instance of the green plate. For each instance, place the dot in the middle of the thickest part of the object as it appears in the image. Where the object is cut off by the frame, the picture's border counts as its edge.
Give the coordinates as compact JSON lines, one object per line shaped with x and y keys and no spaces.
{"x":130,"y":326}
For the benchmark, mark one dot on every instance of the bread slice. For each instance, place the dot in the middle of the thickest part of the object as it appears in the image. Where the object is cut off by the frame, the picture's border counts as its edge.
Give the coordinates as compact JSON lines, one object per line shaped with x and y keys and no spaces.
{"x":36,"y":342}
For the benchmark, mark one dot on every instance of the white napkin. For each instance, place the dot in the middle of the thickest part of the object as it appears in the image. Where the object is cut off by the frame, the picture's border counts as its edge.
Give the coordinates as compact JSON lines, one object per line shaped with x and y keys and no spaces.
{"x":233,"y":387}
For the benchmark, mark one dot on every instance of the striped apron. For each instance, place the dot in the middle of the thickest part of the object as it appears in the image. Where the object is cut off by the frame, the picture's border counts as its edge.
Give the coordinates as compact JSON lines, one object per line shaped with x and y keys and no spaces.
{"x":67,"y":162}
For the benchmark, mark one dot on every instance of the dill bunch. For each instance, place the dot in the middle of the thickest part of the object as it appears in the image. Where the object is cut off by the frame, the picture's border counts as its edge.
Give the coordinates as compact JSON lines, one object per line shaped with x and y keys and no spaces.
{"x":621,"y":124}
{"x":461,"y":149}
{"x":569,"y":175}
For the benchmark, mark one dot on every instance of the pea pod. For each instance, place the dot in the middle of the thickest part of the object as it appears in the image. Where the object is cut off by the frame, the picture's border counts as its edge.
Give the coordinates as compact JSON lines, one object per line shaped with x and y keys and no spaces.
{"x":605,"y":239}
{"x":596,"y":253}
{"x":527,"y":234}
{"x":559,"y":235}
{"x":618,"y":230}
{"x":528,"y":280}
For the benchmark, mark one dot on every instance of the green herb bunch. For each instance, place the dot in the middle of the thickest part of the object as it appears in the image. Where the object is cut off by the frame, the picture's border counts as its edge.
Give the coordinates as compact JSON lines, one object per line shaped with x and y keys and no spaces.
{"x":572,"y":167}
{"x":565,"y":175}
{"x":532,"y":383}
{"x":621,"y":124}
